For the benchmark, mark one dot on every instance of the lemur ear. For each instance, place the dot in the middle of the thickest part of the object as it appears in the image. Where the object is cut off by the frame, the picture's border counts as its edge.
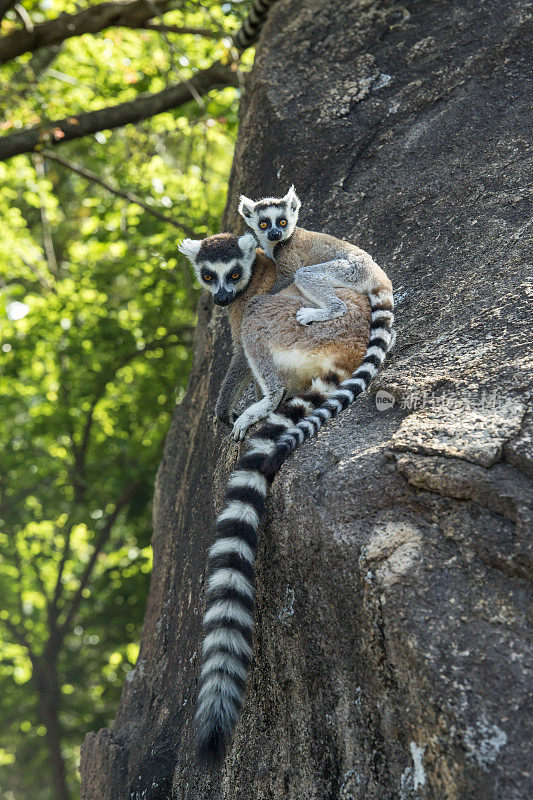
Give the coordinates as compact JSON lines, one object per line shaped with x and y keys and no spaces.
{"x":246,"y":207}
{"x":247,"y":243}
{"x":292,"y":200}
{"x":190,"y":248}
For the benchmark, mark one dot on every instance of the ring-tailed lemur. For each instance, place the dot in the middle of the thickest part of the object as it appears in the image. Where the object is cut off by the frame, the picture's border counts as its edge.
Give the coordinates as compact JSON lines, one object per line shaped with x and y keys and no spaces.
{"x":247,"y":35}
{"x":306,"y":362}
{"x":320,"y":264}
{"x":317,"y":262}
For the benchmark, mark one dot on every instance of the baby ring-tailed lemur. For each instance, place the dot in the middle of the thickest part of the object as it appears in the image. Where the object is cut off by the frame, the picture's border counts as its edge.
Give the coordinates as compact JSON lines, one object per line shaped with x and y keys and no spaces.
{"x":317,"y":262}
{"x":320,"y":265}
{"x":307,"y":363}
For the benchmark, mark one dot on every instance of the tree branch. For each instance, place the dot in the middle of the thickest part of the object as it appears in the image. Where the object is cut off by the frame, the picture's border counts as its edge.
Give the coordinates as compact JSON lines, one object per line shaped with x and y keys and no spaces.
{"x":64,"y":556}
{"x":179,"y":29}
{"x":101,"y":541}
{"x":132,"y":198}
{"x":148,"y":105}
{"x":48,"y":240}
{"x":95,"y":18}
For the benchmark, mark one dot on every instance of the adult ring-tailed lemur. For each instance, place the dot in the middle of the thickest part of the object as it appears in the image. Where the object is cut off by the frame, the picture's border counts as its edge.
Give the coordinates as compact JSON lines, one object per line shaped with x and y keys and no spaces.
{"x":310,"y":364}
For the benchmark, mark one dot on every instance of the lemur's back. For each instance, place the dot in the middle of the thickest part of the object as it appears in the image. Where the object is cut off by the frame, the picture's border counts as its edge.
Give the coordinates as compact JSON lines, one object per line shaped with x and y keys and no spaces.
{"x":305,"y":248}
{"x":303,"y":353}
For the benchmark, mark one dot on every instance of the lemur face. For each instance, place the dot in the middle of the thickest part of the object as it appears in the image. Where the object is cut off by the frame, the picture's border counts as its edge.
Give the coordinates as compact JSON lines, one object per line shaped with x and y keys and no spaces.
{"x":271,"y":219}
{"x":222,"y":263}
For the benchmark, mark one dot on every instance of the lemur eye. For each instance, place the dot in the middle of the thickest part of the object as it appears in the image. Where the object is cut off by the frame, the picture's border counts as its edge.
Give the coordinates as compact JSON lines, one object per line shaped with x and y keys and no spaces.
{"x":236,"y":275}
{"x":206,"y":277}
{"x":282,"y":222}
{"x":263,"y":225}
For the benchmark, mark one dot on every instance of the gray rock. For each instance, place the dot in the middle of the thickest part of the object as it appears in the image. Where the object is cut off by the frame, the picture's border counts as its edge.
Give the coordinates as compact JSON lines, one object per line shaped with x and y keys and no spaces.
{"x":391,"y":642}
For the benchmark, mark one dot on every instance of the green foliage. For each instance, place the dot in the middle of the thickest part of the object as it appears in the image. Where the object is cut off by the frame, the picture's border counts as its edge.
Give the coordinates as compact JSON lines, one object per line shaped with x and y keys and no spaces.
{"x":96,"y":324}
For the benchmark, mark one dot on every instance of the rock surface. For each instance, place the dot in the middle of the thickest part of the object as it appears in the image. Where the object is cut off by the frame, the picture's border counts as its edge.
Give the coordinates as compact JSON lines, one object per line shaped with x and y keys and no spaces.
{"x":391,"y":644}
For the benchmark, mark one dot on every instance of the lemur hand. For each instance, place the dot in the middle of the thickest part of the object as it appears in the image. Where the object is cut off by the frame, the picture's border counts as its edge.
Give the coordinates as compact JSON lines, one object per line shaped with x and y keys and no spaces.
{"x":305,"y":316}
{"x":254,"y":413}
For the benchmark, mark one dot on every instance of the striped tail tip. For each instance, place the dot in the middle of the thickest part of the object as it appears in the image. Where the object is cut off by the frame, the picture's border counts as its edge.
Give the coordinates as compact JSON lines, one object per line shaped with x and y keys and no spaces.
{"x":218,"y":710}
{"x":211,"y":745}
{"x":227,"y":654}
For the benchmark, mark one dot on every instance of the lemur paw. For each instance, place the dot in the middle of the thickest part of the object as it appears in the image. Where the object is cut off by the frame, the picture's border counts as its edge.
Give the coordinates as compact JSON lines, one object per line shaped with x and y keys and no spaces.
{"x":254,"y":413}
{"x":242,"y":424}
{"x":306,"y":316}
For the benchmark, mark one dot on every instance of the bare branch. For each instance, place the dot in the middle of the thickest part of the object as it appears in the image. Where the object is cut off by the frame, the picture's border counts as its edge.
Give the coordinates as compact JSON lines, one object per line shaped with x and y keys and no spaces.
{"x":127,"y":14}
{"x":148,"y":105}
{"x":46,"y":227}
{"x":179,"y":29}
{"x":100,"y":543}
{"x":95,"y":18}
{"x":132,"y":198}
{"x":60,"y":569}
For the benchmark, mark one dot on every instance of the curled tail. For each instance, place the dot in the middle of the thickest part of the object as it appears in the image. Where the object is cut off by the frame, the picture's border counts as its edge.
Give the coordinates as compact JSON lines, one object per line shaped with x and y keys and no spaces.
{"x":247,"y":35}
{"x":228,"y":620}
{"x":382,"y":318}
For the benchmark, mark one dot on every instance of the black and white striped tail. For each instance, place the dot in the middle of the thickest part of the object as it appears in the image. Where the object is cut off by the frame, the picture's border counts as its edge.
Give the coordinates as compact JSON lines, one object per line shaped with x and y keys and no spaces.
{"x":248,"y":34}
{"x":228,"y":620}
{"x":381,"y":335}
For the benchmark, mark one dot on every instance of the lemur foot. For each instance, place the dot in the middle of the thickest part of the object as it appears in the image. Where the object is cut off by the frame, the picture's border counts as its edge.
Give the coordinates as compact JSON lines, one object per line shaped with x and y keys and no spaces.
{"x":253,"y":414}
{"x":305,"y":316}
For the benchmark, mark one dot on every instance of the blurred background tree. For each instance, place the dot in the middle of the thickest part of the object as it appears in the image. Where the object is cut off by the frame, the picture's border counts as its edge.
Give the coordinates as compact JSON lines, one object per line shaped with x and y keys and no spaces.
{"x":97,"y":314}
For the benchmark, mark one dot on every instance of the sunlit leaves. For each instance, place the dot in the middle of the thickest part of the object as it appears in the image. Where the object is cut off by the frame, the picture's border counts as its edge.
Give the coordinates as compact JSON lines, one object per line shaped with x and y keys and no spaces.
{"x":91,"y":371}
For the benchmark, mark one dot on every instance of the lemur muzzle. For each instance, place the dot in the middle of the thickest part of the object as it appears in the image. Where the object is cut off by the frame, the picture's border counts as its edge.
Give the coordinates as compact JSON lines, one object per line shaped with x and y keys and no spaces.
{"x":222,"y":297}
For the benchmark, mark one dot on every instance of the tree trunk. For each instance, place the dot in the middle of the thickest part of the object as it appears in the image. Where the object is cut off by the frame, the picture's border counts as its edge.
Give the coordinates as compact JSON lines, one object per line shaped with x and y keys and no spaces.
{"x":49,"y":699}
{"x":390,"y":646}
